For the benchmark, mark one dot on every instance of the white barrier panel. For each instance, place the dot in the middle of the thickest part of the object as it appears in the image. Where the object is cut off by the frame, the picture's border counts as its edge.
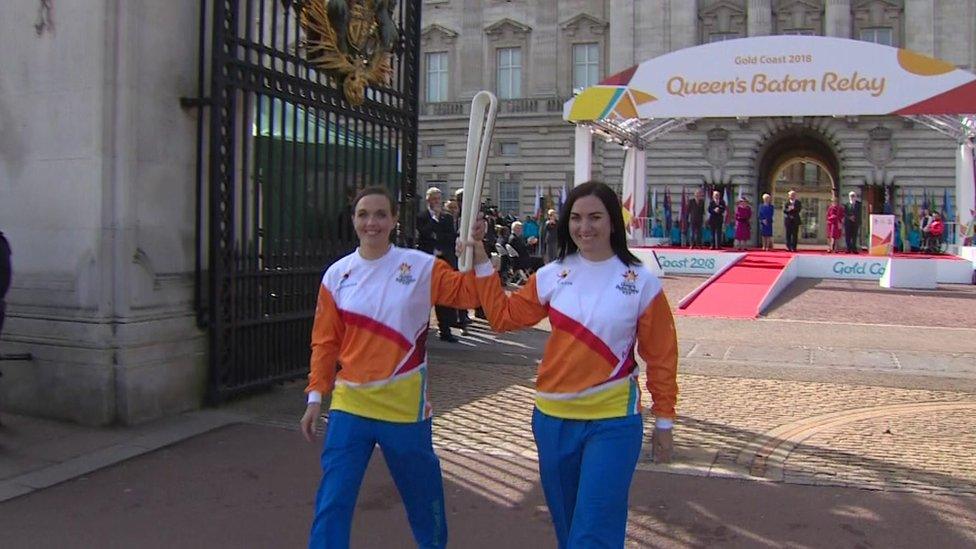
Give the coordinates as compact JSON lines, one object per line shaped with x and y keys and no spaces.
{"x":783,"y":281}
{"x":949,"y":270}
{"x":968,"y":253}
{"x":848,"y":268}
{"x":954,"y":272}
{"x":910,"y":273}
{"x":646,"y":256}
{"x":688,"y":262}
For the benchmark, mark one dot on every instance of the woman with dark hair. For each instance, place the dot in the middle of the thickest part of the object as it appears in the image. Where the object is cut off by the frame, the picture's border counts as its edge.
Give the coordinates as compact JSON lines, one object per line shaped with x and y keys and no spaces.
{"x":601,"y":303}
{"x":379,"y":394}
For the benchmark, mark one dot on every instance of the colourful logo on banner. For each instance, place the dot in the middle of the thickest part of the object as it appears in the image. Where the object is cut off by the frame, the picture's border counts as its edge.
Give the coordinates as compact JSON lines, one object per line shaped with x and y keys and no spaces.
{"x":882,"y":234}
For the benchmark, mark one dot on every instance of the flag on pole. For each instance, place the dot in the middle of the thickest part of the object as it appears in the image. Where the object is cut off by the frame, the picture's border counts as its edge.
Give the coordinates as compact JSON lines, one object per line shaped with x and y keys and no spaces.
{"x":653,"y":215}
{"x":537,"y":207}
{"x":905,"y":246}
{"x":683,"y":220}
{"x":667,"y":213}
{"x":728,"y":204}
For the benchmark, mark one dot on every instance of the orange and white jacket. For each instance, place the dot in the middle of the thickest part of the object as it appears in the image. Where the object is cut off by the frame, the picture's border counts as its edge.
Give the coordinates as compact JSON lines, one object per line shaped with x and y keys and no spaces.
{"x":372,"y":317}
{"x":599,"y":313}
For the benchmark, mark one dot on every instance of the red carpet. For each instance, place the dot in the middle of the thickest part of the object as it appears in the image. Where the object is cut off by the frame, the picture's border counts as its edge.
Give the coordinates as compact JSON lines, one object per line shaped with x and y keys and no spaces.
{"x":737,"y":292}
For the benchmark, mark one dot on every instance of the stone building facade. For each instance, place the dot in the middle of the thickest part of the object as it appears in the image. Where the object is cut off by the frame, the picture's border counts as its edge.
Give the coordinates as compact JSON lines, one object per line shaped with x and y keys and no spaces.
{"x":97,"y":180}
{"x":535,"y":54}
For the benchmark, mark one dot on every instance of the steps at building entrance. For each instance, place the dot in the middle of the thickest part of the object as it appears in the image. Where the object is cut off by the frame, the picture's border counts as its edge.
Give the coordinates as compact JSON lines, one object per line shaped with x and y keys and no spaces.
{"x":739,"y":291}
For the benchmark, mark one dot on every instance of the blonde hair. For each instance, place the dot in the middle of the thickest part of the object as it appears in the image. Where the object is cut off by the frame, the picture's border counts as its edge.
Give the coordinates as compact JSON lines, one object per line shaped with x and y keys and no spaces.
{"x":432,"y":191}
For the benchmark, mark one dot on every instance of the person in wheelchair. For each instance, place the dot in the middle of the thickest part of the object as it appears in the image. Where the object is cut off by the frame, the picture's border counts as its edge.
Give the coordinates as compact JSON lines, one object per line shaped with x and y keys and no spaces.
{"x":933,"y":234}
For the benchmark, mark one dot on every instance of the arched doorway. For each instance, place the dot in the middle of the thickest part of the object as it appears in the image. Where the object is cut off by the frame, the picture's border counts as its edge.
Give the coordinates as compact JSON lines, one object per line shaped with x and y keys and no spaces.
{"x":801,"y":160}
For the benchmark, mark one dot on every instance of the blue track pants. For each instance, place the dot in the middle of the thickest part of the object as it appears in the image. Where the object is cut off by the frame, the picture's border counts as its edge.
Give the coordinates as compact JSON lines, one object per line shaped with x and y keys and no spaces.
{"x":586,"y":469}
{"x":415,"y":469}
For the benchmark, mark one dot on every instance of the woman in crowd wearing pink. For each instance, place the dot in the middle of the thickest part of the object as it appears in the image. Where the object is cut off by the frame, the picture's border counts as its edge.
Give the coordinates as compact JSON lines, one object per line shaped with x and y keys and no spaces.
{"x":743,"y":223}
{"x":835,"y":216}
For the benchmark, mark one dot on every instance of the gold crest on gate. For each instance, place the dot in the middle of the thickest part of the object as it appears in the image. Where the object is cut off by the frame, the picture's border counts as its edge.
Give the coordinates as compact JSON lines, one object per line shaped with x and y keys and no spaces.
{"x":350,"y":39}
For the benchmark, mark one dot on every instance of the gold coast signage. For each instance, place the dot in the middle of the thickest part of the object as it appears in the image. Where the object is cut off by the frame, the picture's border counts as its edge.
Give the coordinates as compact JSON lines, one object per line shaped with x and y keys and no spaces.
{"x":779,"y":76}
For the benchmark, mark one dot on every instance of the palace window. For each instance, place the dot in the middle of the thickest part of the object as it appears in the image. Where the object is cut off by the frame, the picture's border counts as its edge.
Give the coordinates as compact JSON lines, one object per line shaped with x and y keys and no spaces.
{"x":586,"y":65}
{"x":436,"y":150}
{"x":436,"y":77}
{"x":722,"y":36}
{"x":509,"y":73}
{"x":878,"y":35}
{"x":508,"y":197}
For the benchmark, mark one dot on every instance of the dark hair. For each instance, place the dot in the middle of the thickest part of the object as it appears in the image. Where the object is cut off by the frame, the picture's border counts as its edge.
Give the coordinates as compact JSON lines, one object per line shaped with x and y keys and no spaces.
{"x":375,"y":189}
{"x":618,"y":232}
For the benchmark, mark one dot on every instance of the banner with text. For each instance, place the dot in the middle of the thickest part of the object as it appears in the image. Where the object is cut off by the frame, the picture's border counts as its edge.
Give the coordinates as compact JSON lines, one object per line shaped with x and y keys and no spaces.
{"x":780,"y":76}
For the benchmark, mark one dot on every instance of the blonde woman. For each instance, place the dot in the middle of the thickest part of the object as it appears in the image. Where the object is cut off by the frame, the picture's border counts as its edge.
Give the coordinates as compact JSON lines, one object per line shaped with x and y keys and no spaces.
{"x":766,"y":211}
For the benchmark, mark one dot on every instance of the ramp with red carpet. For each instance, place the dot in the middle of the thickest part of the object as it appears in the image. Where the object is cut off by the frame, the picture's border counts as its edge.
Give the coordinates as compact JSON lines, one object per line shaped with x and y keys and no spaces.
{"x":739,"y":291}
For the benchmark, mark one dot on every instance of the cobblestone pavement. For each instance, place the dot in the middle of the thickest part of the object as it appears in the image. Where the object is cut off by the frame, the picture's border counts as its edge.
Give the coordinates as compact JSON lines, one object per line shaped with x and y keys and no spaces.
{"x":761,"y":429}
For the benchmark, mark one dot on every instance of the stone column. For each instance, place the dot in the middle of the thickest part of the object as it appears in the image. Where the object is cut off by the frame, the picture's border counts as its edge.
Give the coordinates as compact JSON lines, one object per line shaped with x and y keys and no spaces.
{"x":621,"y":39}
{"x":543,"y":51}
{"x":837,"y":19}
{"x":471,"y":51}
{"x":684,"y":24}
{"x":759,"y":17}
{"x":919,"y":26}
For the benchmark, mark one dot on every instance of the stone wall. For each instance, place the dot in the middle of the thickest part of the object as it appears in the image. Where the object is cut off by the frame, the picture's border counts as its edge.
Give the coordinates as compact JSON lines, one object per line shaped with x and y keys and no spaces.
{"x":97,"y":200}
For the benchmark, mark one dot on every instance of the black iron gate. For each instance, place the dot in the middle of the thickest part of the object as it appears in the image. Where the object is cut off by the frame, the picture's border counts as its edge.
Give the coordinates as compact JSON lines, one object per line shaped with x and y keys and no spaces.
{"x":286,"y":153}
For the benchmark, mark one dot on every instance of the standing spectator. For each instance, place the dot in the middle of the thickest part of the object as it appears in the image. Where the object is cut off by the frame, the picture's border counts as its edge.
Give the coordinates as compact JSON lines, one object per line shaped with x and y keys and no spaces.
{"x":835,"y":215}
{"x":936,"y":228}
{"x":766,"y":211}
{"x":852,"y":222}
{"x":924,"y":221}
{"x":791,"y":219}
{"x":550,"y":242}
{"x":5,"y":275}
{"x":436,"y":236}
{"x":530,"y":230}
{"x":716,"y":218}
{"x":696,"y":217}
{"x":743,"y":223}
{"x":505,"y":263}
{"x":463,"y":320}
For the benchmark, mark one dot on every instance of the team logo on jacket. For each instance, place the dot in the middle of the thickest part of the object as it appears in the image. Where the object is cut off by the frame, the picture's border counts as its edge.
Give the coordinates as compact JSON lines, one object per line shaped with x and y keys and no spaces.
{"x":629,"y":284}
{"x":404,"y":276}
{"x":562,"y":276}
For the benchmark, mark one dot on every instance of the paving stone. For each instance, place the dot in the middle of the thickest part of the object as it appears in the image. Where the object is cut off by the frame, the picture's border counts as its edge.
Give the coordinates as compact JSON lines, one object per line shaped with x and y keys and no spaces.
{"x":710,"y":350}
{"x":854,"y":358}
{"x":10,"y":490}
{"x":763,"y":353}
{"x":926,"y":362}
{"x":56,"y":474}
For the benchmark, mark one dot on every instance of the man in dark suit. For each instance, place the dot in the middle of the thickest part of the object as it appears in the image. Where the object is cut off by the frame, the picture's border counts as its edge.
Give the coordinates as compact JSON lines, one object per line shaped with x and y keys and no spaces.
{"x":852,"y":222}
{"x":791,"y":218}
{"x":716,"y":218}
{"x":696,"y":218}
{"x":5,"y":275}
{"x":436,"y":236}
